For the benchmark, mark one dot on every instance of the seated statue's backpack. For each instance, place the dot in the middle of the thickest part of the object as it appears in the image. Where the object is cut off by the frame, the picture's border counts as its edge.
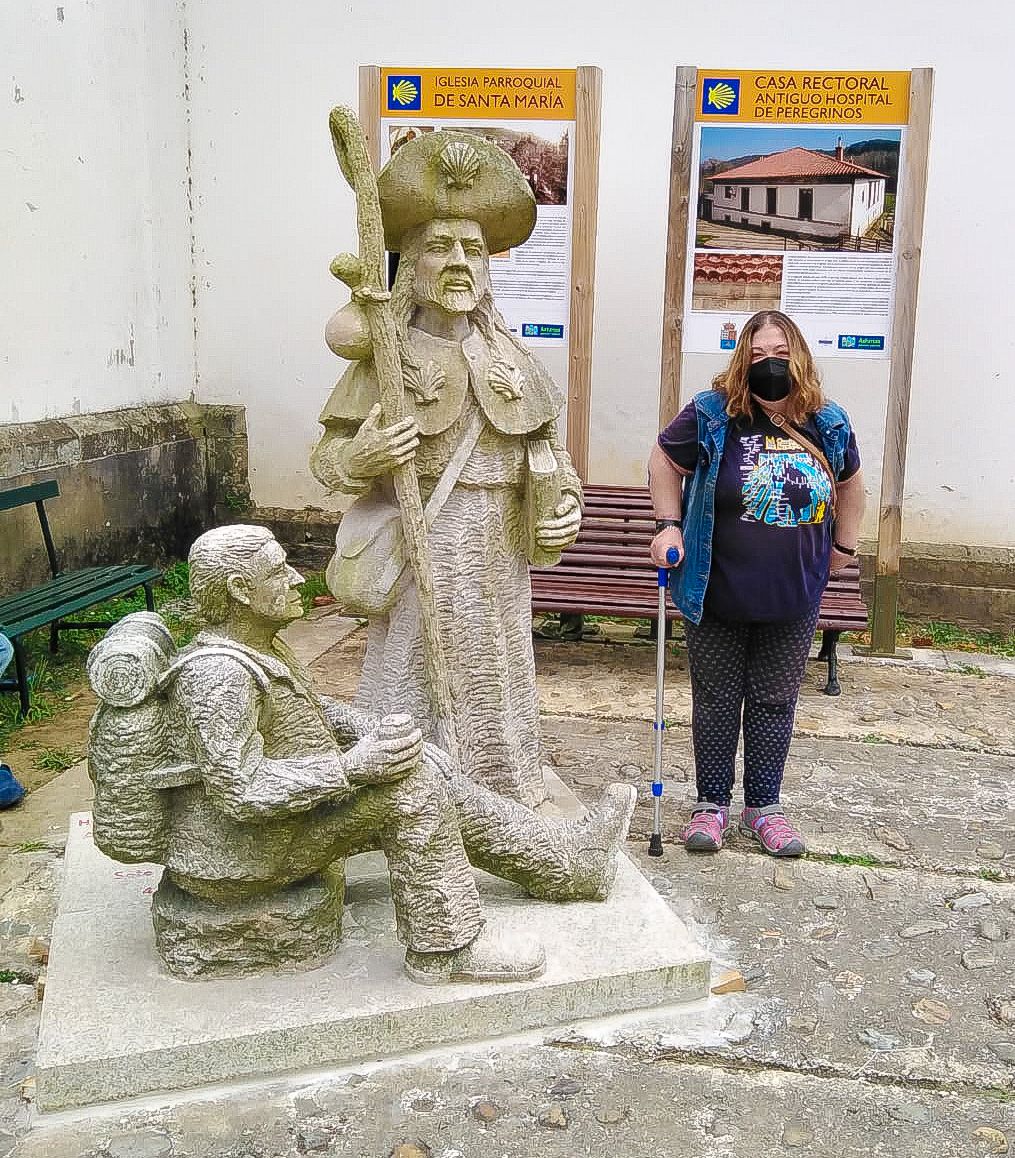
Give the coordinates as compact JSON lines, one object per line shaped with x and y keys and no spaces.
{"x":137,"y":750}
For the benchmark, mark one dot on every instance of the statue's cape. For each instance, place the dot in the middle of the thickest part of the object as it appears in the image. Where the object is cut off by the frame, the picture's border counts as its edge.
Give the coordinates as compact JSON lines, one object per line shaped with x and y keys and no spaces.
{"x":447,"y":369}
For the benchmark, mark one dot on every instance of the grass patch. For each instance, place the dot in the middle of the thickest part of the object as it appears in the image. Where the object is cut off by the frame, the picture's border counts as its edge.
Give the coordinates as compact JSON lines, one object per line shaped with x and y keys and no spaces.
{"x":57,"y":759}
{"x":858,"y":861}
{"x":6,"y":977}
{"x":874,"y":738}
{"x":951,"y":637}
{"x":314,"y":584}
{"x":989,"y":874}
{"x":31,"y":846}
{"x":970,"y":669}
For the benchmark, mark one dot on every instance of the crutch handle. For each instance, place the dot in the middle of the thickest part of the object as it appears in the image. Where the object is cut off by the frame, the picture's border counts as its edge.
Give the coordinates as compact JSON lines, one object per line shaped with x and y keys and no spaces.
{"x":672,"y":559}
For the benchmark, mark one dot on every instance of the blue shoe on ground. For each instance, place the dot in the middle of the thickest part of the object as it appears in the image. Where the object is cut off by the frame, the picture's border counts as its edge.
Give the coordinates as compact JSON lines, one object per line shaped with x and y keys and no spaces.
{"x":11,"y":792}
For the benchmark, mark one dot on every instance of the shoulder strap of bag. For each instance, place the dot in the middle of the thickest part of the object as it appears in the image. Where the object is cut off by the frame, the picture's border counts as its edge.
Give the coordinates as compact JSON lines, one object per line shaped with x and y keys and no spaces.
{"x":453,"y":471}
{"x":255,"y":670}
{"x":779,"y":421}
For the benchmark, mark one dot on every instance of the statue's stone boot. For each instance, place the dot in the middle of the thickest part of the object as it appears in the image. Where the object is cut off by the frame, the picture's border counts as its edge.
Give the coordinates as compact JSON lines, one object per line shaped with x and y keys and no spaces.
{"x":487,"y":958}
{"x":593,"y":843}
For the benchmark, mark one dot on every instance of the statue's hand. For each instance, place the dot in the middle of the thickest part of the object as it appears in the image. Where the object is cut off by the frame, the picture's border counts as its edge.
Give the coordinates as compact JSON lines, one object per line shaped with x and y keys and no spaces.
{"x":391,"y":752}
{"x":376,"y":450}
{"x":562,"y":530}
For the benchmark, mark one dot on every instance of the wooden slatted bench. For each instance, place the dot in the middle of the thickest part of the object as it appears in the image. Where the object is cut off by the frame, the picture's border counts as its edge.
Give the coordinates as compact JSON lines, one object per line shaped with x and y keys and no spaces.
{"x":607,"y":571}
{"x":65,"y":593}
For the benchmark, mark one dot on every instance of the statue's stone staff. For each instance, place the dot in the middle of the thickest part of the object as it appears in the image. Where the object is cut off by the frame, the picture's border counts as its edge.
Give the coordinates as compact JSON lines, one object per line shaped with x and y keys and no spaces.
{"x":364,"y":275}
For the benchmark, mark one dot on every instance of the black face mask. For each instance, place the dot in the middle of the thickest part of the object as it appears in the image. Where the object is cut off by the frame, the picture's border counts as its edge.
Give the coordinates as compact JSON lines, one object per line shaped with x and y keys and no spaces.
{"x":769,"y":379}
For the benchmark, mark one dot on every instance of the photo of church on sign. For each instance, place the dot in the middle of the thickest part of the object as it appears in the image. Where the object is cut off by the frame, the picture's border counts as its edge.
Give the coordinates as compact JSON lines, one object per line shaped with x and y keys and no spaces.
{"x":823,"y":189}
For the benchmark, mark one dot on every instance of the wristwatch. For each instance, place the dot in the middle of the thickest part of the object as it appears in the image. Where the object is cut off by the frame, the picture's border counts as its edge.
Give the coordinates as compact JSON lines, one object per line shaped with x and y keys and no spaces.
{"x":662,"y":524}
{"x":851,"y":551}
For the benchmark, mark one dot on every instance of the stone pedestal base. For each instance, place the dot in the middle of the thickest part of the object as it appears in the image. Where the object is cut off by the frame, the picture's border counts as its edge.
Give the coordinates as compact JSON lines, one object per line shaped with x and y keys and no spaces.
{"x":295,"y":928}
{"x":116,"y":1025}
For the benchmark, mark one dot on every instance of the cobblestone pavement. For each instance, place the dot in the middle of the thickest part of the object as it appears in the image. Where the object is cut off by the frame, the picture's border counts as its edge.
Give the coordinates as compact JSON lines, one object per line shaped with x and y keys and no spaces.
{"x":878,"y":1015}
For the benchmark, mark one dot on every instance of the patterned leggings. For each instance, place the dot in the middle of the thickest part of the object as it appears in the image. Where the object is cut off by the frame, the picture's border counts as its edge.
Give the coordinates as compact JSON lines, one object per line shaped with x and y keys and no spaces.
{"x":756,"y":668}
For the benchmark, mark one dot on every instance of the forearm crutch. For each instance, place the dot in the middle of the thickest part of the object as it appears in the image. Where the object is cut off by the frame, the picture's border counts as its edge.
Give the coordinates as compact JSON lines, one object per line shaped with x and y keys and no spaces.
{"x":655,"y":844}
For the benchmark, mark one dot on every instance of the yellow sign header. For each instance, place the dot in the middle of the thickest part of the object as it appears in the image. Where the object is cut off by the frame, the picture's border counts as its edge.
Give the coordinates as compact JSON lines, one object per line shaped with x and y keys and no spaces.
{"x":504,"y":94}
{"x":756,"y":96}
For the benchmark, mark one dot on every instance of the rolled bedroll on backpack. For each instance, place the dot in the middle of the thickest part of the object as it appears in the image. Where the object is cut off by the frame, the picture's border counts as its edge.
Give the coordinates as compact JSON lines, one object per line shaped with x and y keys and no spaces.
{"x":131,"y":738}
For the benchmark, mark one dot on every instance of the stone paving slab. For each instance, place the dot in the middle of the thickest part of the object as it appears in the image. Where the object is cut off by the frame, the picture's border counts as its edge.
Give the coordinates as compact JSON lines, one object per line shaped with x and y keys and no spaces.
{"x":893,"y":703}
{"x":742,"y":1075}
{"x":521,"y":1101}
{"x":963,"y":706}
{"x":42,"y":816}
{"x":891,"y":974}
{"x":168,"y":1034}
{"x":317,"y":632}
{"x":941,"y":809}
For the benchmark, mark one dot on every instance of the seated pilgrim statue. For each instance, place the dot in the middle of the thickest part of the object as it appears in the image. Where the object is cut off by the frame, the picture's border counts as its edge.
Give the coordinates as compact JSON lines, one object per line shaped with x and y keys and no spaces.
{"x":223,"y":764}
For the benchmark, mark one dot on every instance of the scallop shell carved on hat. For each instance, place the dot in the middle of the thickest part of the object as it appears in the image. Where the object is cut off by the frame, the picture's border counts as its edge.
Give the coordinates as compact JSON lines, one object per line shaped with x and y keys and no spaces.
{"x":506,"y":380}
{"x":424,"y":383}
{"x":459,"y":163}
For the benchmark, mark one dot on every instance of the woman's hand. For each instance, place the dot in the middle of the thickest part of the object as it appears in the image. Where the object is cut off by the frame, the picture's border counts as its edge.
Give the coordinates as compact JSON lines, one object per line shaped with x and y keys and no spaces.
{"x":668,"y":537}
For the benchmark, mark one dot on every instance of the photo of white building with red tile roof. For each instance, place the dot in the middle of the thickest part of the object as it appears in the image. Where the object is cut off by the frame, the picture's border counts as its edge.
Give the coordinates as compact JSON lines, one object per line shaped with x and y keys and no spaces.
{"x":798,"y":193}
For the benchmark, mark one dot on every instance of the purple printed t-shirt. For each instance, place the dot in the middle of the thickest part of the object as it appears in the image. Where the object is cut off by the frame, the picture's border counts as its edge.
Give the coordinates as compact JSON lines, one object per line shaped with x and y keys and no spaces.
{"x":773,"y":528}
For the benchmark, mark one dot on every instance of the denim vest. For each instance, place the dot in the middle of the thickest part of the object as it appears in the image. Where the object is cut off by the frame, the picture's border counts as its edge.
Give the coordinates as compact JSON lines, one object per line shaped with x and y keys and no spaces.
{"x":689,"y":580}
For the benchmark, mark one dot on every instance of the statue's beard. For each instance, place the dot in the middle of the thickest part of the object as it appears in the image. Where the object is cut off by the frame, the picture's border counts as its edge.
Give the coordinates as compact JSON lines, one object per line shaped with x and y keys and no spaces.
{"x":454,"y":299}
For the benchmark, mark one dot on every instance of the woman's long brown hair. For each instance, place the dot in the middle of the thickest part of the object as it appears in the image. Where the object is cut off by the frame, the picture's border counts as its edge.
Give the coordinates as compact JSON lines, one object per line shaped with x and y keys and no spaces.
{"x":805,"y":394}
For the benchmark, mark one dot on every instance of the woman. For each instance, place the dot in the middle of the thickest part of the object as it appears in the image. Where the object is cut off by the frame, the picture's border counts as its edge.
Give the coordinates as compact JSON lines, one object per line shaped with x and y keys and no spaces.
{"x":742,"y":485}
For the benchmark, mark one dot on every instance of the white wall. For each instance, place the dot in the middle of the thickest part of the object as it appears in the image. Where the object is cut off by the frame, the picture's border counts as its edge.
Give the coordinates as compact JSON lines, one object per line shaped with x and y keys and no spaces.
{"x":95,"y":257}
{"x":103,"y":256}
{"x":273,"y":210}
{"x":868,"y":204}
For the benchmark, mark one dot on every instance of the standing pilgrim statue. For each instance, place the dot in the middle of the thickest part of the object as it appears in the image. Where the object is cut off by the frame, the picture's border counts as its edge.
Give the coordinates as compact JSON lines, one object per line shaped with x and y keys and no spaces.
{"x":479,"y":426}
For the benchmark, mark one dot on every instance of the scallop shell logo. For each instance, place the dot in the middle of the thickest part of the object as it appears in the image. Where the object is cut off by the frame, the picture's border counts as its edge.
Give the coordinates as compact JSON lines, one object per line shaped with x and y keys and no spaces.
{"x":404,"y":92}
{"x":720,"y":95}
{"x":459,"y":162}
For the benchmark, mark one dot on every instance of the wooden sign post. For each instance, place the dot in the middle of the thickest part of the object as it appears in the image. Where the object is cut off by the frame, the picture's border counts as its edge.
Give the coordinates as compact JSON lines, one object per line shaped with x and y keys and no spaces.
{"x":909,"y":240}
{"x":679,"y":219}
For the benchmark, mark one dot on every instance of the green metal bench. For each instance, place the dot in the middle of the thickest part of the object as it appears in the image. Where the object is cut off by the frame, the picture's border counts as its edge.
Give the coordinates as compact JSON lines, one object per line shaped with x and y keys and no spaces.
{"x":48,"y":604}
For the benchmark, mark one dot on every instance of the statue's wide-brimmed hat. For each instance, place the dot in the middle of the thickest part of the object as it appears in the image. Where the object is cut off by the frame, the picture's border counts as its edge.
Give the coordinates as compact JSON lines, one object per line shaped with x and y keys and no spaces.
{"x":458,"y":176}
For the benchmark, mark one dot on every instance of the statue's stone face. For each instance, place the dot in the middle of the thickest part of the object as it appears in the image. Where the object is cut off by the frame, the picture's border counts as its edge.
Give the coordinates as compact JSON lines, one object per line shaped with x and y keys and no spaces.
{"x":271,"y":585}
{"x":453,"y":268}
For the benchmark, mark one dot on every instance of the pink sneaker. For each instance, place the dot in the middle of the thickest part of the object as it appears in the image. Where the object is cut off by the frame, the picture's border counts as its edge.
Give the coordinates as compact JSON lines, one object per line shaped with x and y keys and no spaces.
{"x":772,"y":830}
{"x":709,"y":824}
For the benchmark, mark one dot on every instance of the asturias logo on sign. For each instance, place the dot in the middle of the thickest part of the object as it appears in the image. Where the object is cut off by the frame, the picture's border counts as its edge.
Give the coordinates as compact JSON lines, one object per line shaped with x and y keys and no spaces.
{"x":405,"y":93}
{"x":721,"y":96}
{"x":542,"y":330}
{"x":861,"y":341}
